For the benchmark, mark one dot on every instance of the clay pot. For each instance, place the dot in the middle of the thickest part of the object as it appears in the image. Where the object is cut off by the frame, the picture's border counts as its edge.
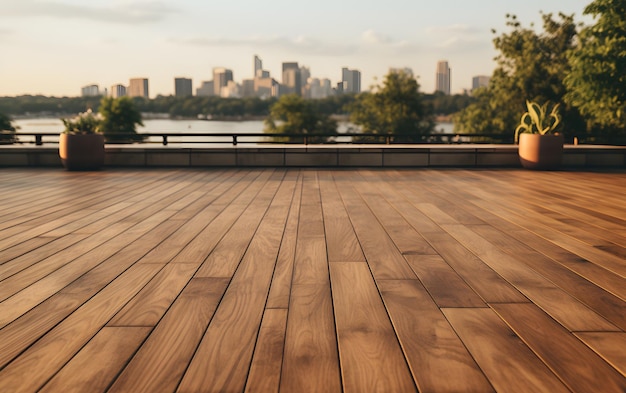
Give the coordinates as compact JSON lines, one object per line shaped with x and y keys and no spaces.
{"x":543,"y":152}
{"x":81,"y":152}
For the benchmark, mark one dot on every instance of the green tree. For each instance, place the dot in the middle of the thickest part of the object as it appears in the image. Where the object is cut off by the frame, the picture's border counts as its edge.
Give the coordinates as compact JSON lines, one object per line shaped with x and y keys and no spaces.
{"x":597,"y":81}
{"x":292,"y":114}
{"x":7,"y":131}
{"x":395,"y":108}
{"x":530,"y":66}
{"x":120,"y":119}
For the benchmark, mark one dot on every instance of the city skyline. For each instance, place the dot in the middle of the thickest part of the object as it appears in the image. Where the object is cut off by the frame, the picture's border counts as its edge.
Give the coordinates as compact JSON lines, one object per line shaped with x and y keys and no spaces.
{"x":56,"y":47}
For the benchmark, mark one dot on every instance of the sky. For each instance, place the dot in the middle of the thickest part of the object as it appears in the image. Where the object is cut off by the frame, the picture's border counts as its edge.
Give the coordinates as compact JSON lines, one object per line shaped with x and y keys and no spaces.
{"x":55,"y":47}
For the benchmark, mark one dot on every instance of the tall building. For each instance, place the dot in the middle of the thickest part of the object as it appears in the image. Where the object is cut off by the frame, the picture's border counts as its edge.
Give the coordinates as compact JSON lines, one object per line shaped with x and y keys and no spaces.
{"x":221,"y":77}
{"x":443,"y":77}
{"x":258,"y":65}
{"x":351,"y":80}
{"x":90,"y":91}
{"x":118,"y":91}
{"x":206,"y":89}
{"x":182,"y":87}
{"x":480,"y":81}
{"x":138,"y":87}
{"x":292,"y":81}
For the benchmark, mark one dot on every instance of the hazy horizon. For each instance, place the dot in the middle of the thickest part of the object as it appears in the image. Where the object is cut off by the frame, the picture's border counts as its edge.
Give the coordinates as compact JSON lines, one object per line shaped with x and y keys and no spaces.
{"x":56,"y":47}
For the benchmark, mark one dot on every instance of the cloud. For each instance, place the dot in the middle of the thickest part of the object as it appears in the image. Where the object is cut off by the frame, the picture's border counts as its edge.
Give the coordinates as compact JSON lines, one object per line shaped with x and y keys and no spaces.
{"x":133,"y":12}
{"x":299,"y":44}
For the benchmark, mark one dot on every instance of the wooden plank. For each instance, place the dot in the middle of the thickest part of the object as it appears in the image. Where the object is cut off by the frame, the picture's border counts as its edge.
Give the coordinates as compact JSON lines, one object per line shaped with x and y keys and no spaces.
{"x":161,"y":361}
{"x":226,"y":256}
{"x":341,"y":240}
{"x":264,"y":375}
{"x":445,"y":286}
{"x":311,"y":361}
{"x":561,"y":351}
{"x":562,"y":306}
{"x":44,"y":358}
{"x":369,"y":352}
{"x":34,"y":294}
{"x":21,"y":333}
{"x":508,"y":364}
{"x":382,"y":255}
{"x":480,"y":277}
{"x":590,"y":293}
{"x":610,"y":346}
{"x":280,"y":288}
{"x":405,"y":237}
{"x":223,"y":357}
{"x":151,"y":303}
{"x":98,"y":363}
{"x":438,"y":359}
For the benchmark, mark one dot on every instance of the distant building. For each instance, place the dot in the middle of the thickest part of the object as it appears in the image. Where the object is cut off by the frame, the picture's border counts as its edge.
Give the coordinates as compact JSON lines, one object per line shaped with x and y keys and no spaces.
{"x":118,"y":91}
{"x":247,"y":88}
{"x":221,"y":77}
{"x":480,"y":81}
{"x":231,"y":90}
{"x":266,"y":87}
{"x":138,"y":87}
{"x":292,"y":81}
{"x":183,"y":87}
{"x":258,"y":65}
{"x":351,"y":80}
{"x":443,"y":77}
{"x":318,"y":89}
{"x":206,"y":89}
{"x":90,"y":91}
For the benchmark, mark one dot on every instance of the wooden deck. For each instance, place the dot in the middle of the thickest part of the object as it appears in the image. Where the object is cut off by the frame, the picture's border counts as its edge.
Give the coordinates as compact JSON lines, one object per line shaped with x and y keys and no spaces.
{"x":291,"y":280}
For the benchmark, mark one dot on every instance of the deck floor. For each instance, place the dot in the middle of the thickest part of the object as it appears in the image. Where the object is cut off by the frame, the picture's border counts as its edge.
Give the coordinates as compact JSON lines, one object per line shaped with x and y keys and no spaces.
{"x":291,"y":280}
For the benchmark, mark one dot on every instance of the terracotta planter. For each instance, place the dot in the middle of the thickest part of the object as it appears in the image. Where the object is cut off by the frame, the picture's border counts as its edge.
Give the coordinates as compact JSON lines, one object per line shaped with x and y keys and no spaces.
{"x":542,"y":152}
{"x":81,"y":152}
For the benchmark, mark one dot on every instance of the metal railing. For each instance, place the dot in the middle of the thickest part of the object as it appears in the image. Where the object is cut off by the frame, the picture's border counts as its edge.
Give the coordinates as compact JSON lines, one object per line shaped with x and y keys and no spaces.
{"x":234,"y":139}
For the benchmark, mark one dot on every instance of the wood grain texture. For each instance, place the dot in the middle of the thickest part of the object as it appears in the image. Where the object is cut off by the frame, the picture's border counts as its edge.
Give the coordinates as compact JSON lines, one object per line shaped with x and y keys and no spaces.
{"x":98,"y":363}
{"x":438,"y":359}
{"x":310,"y":361}
{"x":223,"y":357}
{"x":441,"y":280}
{"x":160,"y":363}
{"x":43,"y":359}
{"x":370,"y":355}
{"x":610,"y":346}
{"x":445,"y":286}
{"x":561,"y":351}
{"x":508,"y":364}
{"x":264,"y":375}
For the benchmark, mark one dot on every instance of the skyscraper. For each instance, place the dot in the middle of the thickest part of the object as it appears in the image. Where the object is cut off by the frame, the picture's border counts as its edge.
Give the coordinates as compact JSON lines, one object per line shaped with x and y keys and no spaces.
{"x":138,"y":87}
{"x":292,"y":81}
{"x":443,"y":77}
{"x":351,"y":80}
{"x":221,"y":76}
{"x":480,"y":81}
{"x":258,"y":66}
{"x":90,"y":91}
{"x":118,"y":91}
{"x":182,"y":87}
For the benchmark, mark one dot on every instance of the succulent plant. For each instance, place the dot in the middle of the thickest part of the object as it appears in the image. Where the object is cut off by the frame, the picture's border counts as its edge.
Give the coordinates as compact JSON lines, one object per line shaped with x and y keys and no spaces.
{"x":540,"y":119}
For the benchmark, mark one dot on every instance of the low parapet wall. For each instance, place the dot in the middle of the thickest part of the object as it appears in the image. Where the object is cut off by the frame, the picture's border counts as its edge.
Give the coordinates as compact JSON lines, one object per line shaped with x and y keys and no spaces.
{"x":318,"y":156}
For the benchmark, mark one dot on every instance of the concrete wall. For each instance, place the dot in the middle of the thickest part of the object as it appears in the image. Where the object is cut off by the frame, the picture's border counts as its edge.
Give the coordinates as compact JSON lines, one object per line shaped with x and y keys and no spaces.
{"x":320,"y":156}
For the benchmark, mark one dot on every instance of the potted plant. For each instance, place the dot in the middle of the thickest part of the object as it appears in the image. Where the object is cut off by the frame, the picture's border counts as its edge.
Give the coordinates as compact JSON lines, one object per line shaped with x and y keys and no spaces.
{"x":540,"y":143}
{"x":81,"y":145}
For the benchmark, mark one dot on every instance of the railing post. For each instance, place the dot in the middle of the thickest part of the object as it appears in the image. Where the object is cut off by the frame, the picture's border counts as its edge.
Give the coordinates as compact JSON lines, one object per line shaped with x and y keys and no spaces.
{"x":164,"y":140}
{"x":234,"y":140}
{"x":306,"y":140}
{"x":38,"y":140}
{"x":388,"y":139}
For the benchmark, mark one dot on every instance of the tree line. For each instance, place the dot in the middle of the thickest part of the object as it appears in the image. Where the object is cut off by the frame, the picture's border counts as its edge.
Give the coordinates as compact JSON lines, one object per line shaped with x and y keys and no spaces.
{"x":582,"y":68}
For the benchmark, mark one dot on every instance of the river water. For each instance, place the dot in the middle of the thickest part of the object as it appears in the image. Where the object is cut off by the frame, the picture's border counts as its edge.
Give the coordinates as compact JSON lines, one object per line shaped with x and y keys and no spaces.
{"x":54,"y":126}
